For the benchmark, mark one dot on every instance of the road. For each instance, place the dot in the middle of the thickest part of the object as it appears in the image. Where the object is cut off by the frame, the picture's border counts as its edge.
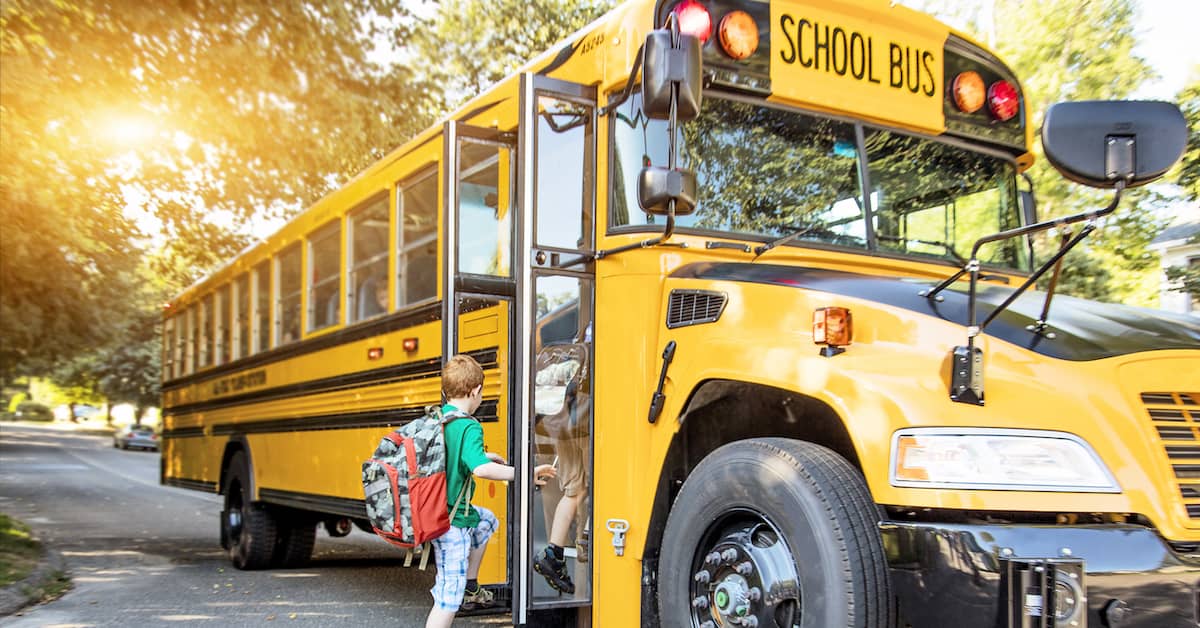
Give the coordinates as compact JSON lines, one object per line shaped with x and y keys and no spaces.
{"x":141,"y":554}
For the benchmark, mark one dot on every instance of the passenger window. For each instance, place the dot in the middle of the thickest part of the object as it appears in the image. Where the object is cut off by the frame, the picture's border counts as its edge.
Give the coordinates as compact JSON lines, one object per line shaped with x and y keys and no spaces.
{"x":205,"y":325}
{"x":325,"y":258}
{"x":287,"y":312}
{"x":369,"y":260}
{"x":185,"y":348}
{"x":262,"y":307}
{"x":484,"y":216}
{"x":417,"y":240}
{"x":224,"y":312}
{"x":181,"y":338}
{"x":168,"y":357}
{"x":241,"y":331}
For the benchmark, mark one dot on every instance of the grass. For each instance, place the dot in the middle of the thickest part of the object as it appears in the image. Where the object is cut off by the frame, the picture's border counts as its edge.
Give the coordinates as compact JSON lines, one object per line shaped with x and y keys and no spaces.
{"x":19,"y":552}
{"x":19,"y":555}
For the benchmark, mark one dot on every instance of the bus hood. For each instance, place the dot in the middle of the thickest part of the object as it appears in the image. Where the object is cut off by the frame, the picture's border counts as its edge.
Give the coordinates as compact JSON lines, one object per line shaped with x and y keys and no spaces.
{"x":1083,"y":330}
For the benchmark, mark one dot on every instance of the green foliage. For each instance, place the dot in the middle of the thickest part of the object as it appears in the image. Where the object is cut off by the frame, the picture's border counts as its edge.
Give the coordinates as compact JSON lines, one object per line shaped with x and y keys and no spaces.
{"x":472,"y":44}
{"x":198,"y":115}
{"x":19,"y":552}
{"x":1188,"y":173}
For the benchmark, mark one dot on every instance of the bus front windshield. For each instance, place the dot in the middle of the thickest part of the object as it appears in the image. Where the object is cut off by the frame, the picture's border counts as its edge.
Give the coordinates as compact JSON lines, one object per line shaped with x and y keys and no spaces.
{"x":764,"y":173}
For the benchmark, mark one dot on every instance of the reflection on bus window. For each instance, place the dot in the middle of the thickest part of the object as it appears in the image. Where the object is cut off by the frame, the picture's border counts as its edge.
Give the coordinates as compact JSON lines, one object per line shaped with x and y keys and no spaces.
{"x":485,"y":219}
{"x":761,"y":172}
{"x":368,"y":260}
{"x":241,"y":331}
{"x":287,"y":311}
{"x":262,"y":306}
{"x":189,"y":342}
{"x":935,"y":200}
{"x":168,"y":356}
{"x":417,"y":273}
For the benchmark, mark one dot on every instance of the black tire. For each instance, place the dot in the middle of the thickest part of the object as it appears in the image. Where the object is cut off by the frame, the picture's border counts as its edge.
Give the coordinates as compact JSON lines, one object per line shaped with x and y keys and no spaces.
{"x":248,"y":528}
{"x":294,"y":544}
{"x":774,"y":514}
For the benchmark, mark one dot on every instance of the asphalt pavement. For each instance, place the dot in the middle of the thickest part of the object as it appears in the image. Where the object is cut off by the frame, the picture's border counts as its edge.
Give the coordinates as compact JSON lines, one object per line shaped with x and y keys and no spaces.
{"x":141,"y":554}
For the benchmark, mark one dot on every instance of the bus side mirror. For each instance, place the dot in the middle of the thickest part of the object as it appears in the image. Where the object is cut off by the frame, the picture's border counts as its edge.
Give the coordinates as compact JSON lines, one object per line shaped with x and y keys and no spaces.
{"x":658,"y":186}
{"x":1101,"y":143}
{"x":670,"y":91}
{"x":671,"y":69}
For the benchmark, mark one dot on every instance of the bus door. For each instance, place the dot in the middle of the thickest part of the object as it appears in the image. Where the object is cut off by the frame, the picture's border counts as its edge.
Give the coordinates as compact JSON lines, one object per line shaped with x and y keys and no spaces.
{"x":479,"y":291}
{"x":556,"y":191}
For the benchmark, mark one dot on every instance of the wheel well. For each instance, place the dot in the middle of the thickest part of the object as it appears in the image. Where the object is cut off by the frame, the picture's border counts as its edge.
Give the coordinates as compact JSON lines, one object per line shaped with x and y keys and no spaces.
{"x":723,"y":411}
{"x":232,"y":447}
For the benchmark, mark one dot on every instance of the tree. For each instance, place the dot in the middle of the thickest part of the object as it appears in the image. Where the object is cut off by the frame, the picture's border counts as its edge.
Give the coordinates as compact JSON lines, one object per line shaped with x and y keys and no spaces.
{"x":197,"y":116}
{"x":473,"y":44}
{"x":1188,"y":173}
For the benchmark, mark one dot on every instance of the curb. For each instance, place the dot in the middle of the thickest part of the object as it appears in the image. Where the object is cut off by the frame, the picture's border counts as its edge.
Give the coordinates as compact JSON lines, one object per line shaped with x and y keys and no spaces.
{"x":28,"y":590}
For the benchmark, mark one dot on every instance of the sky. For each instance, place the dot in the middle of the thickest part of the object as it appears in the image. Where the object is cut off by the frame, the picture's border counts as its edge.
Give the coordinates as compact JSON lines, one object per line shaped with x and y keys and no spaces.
{"x":1168,"y":32}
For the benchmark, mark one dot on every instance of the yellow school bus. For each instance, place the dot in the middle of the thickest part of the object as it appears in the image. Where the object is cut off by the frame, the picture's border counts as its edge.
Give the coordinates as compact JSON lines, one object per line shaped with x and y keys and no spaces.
{"x":756,"y":276}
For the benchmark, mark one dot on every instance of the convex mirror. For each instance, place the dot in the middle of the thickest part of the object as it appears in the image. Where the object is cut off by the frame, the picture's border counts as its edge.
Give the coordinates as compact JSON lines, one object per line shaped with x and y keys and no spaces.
{"x":1101,"y":143}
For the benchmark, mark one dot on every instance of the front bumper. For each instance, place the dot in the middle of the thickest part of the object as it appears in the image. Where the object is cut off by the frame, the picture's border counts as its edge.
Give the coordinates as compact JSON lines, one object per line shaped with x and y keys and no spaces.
{"x":963,"y":575}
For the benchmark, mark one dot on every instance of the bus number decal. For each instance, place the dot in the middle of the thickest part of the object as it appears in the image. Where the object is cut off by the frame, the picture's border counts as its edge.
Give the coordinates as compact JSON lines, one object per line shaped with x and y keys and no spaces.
{"x":240,"y":382}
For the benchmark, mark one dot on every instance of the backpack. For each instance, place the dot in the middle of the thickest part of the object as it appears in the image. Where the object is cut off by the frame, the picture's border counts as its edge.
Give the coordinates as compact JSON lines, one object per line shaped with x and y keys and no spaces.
{"x":404,"y":482}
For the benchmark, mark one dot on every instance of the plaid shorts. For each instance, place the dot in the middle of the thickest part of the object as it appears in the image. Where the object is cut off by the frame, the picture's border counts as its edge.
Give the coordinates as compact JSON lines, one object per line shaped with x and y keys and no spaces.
{"x":452,"y":551}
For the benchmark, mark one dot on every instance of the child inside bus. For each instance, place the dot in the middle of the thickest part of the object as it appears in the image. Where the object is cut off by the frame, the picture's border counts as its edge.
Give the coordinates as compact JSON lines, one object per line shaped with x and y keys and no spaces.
{"x":459,"y":552}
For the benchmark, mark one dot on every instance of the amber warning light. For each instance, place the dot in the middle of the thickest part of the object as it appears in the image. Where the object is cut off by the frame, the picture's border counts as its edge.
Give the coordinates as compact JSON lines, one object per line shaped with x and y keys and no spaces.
{"x":375,"y":353}
{"x":834,"y":328}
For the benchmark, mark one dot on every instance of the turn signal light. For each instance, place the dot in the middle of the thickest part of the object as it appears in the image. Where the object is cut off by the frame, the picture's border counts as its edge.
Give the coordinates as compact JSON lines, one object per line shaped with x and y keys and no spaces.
{"x":410,"y":344}
{"x":694,"y":20}
{"x":1003,"y":100}
{"x":834,"y":328}
{"x":738,"y":35}
{"x":968,"y":92}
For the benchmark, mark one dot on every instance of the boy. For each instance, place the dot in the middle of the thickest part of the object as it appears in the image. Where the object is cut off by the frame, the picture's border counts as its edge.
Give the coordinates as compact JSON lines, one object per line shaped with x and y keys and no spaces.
{"x":459,"y":552}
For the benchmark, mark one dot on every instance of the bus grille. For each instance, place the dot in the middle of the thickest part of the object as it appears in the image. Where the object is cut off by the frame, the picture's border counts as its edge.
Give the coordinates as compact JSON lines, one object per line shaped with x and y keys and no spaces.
{"x":1176,"y":419}
{"x":692,"y":307}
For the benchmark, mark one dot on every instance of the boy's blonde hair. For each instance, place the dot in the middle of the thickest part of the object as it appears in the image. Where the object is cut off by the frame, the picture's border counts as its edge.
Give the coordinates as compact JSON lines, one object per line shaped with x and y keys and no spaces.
{"x":460,"y":376}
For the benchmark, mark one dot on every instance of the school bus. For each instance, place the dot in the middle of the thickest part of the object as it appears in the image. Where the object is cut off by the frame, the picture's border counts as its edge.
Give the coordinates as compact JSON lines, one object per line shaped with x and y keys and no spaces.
{"x":759,"y":273}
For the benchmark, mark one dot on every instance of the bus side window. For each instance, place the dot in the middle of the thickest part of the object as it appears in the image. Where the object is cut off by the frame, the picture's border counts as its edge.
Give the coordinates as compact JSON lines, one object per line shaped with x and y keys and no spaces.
{"x":205,"y":328}
{"x":241,"y":328}
{"x":262,"y":308}
{"x":368,"y":255}
{"x":223,"y":313}
{"x":416,"y":240}
{"x":287,"y":303}
{"x":324,"y":262}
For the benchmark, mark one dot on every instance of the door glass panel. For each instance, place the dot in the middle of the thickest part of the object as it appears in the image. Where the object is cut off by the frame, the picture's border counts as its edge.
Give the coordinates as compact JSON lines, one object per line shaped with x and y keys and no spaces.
{"x":561,"y":509}
{"x":563,"y":195}
{"x":484,"y":209}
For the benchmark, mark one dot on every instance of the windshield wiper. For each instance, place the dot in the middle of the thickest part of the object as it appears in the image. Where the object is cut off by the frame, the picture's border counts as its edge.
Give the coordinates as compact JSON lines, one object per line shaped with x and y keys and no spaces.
{"x":946,"y":246}
{"x":763,"y":248}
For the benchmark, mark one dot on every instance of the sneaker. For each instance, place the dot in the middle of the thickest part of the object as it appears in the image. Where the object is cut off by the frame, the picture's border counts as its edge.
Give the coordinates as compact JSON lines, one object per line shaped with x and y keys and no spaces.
{"x":554,"y":570}
{"x":478,"y":599}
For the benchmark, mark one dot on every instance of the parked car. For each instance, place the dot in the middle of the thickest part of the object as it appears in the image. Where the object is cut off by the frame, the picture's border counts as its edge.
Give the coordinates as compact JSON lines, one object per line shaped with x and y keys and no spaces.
{"x":140,"y":436}
{"x":33,"y":411}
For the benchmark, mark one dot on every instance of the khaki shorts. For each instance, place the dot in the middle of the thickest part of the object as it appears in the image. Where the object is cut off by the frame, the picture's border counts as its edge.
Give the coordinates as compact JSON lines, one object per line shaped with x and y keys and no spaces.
{"x":574,"y":460}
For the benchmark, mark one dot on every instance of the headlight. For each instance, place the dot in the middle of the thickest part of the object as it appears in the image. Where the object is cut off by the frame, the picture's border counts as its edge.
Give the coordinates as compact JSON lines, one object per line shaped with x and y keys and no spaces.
{"x":997,"y":459}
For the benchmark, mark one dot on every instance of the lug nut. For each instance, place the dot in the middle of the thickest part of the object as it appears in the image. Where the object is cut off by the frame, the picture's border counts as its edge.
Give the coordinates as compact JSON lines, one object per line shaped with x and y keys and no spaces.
{"x":744,"y":568}
{"x":702,"y":577}
{"x":755,"y":594}
{"x":700,"y":602}
{"x":712,"y":558}
{"x":708,"y":624}
{"x":729,"y":555}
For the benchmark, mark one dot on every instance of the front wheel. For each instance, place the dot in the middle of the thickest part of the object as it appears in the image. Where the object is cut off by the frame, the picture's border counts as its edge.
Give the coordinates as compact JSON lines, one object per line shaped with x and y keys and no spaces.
{"x":248,"y":530}
{"x":774,"y":532}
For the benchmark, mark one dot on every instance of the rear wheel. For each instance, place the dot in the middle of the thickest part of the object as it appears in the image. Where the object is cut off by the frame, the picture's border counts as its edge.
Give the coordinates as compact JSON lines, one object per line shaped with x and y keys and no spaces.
{"x":294,"y":543}
{"x":248,"y":530}
{"x":791,"y":540}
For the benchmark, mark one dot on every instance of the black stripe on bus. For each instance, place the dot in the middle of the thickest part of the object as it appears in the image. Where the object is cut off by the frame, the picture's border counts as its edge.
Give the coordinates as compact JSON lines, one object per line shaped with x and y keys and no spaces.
{"x":354,"y":508}
{"x":195,"y":485}
{"x":487,"y":358}
{"x":401,"y":320}
{"x":392,"y":417}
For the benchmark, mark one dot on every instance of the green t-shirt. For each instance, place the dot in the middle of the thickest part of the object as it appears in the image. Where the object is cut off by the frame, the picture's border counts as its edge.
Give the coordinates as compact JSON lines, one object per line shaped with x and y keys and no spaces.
{"x":464,"y":452}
